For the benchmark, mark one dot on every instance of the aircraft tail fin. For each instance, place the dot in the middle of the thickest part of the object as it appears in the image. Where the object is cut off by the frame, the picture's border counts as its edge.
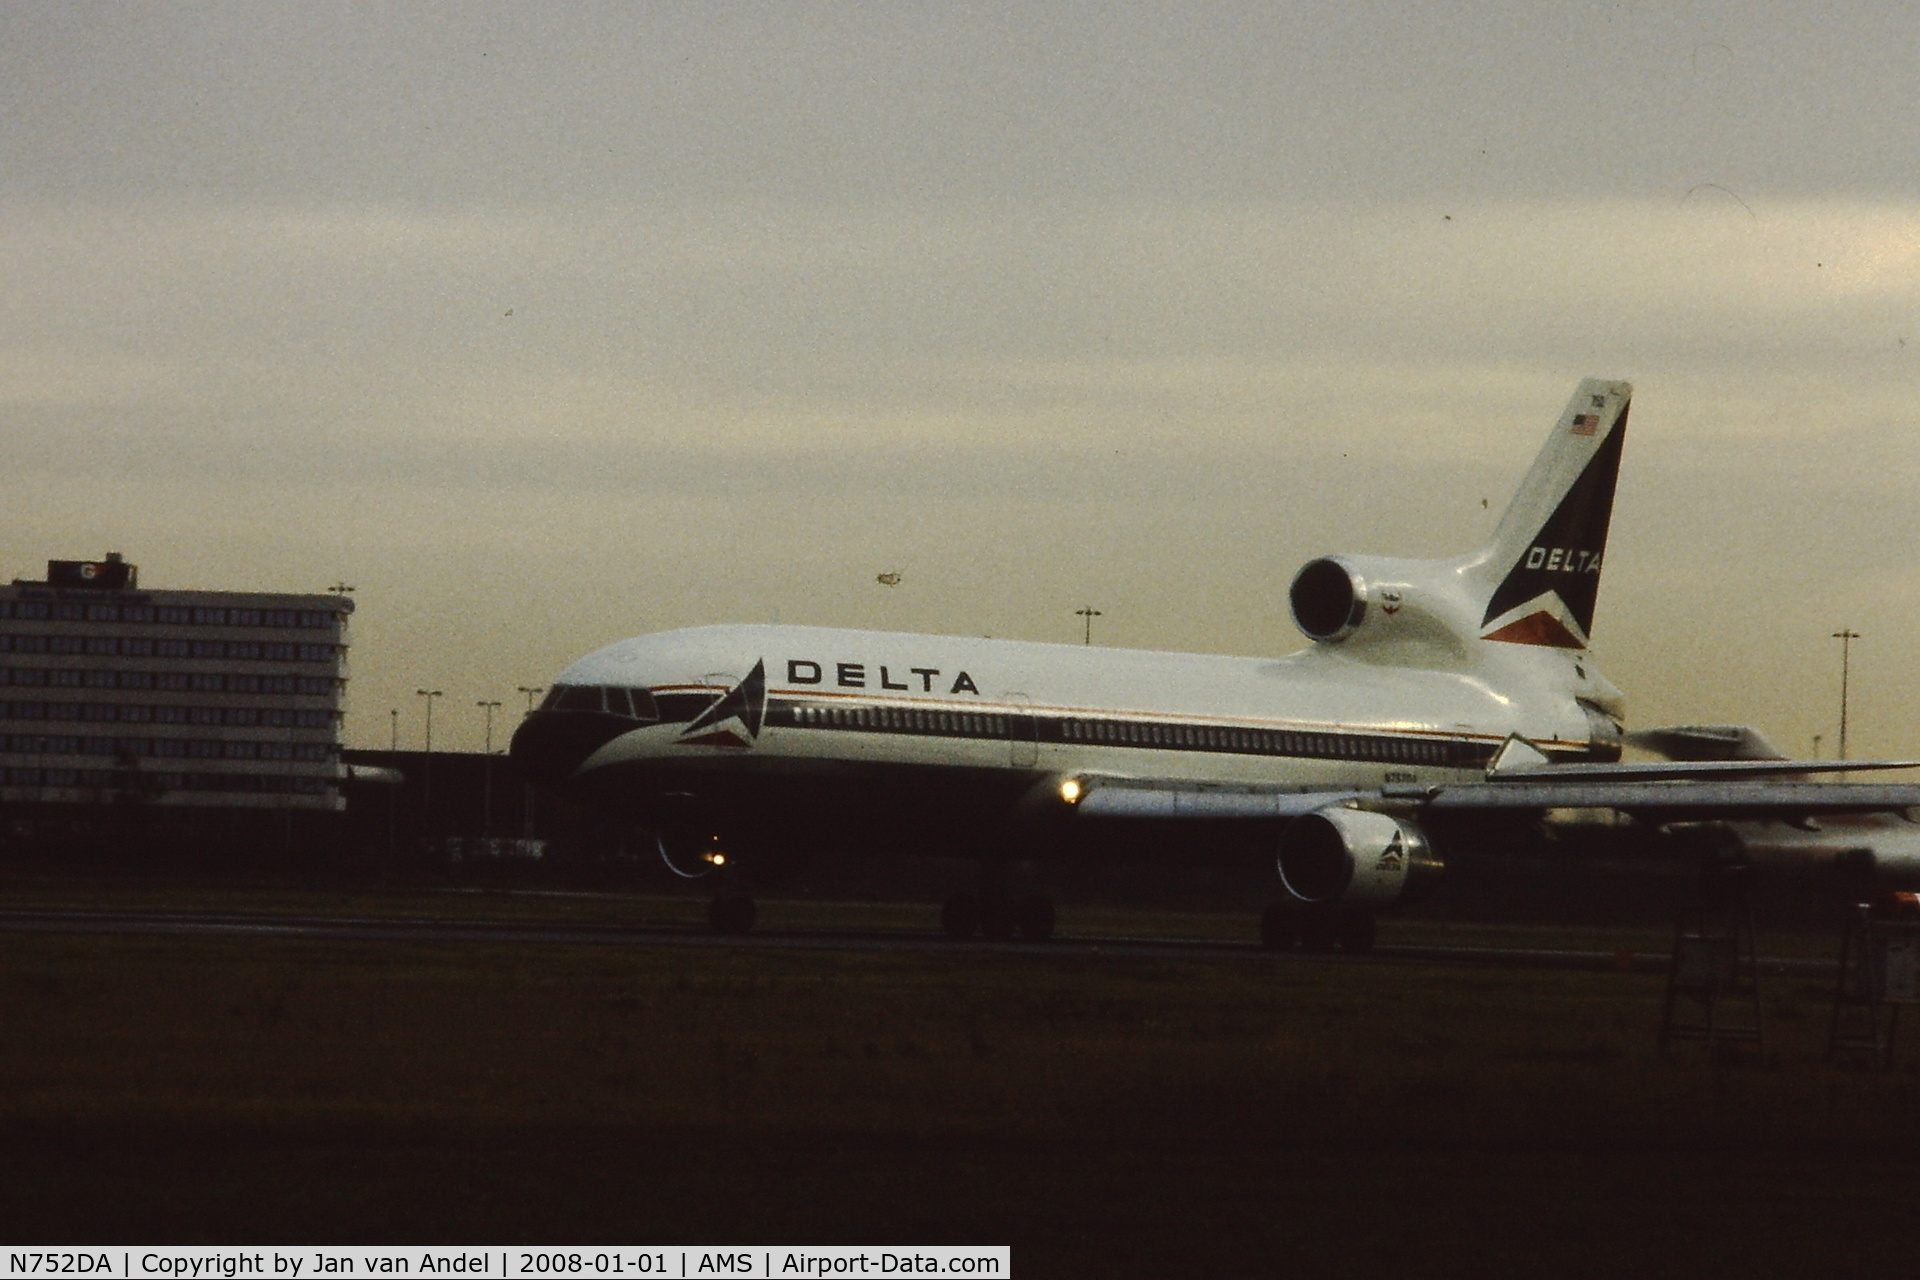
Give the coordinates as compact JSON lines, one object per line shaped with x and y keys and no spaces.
{"x":1540,"y":571}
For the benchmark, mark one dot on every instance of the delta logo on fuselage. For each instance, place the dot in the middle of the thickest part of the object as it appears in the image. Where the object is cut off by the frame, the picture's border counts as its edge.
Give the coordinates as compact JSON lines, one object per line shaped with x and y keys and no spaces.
{"x":863,"y":675}
{"x":735,"y":717}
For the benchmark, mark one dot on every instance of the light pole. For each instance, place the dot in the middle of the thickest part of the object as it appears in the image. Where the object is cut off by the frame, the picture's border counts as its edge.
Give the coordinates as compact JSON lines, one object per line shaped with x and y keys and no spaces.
{"x":426,"y":769}
{"x":395,"y":713}
{"x":1846,"y":636}
{"x":486,"y":771}
{"x":1089,"y":613}
{"x":526,"y":788}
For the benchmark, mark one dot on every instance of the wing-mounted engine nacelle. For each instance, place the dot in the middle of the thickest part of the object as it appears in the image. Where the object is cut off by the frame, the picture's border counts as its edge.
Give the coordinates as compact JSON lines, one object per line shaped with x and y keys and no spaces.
{"x":1355,"y":858}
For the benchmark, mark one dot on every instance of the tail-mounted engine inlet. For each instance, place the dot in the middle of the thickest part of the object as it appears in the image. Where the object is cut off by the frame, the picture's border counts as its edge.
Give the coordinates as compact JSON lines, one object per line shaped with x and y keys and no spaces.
{"x":1329,"y":600}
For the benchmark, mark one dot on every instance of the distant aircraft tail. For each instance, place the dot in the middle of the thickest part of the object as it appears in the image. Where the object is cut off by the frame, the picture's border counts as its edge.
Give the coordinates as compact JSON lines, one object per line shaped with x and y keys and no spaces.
{"x":1540,"y":571}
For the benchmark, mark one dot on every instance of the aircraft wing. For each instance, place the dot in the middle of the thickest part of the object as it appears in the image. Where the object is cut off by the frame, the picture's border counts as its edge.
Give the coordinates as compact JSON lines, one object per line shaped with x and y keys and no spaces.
{"x":1118,"y":798}
{"x":1680,"y":801}
{"x":1657,"y":799}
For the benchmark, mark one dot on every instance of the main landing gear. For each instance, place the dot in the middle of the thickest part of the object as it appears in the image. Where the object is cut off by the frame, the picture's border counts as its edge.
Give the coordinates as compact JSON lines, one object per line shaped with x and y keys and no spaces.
{"x":997,"y":916}
{"x":1318,"y":930}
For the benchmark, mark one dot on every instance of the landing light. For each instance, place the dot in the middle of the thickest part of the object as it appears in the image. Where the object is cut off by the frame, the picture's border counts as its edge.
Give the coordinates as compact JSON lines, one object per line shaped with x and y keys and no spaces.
{"x":717,"y":858}
{"x":1071,"y":791}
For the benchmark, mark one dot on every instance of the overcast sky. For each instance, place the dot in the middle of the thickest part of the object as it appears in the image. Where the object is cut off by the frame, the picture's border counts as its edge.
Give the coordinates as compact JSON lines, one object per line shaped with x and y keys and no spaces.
{"x":545,"y":326}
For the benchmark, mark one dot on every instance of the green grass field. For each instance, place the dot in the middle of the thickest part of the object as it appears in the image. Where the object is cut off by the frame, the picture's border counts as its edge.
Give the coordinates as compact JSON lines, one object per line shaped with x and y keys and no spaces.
{"x":1106,"y":1117}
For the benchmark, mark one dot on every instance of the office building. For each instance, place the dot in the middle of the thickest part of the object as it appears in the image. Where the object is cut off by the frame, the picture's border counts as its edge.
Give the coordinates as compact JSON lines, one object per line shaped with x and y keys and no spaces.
{"x":111,"y":695}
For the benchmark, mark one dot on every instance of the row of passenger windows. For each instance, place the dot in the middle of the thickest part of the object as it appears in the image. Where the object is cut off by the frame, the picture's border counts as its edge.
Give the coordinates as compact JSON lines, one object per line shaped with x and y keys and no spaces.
{"x":174,"y":681}
{"x":68,"y":744}
{"x":149,"y":647}
{"x":1131,"y":733}
{"x":140,"y":713}
{"x":954,"y":724}
{"x":633,"y":704}
{"x":1274,"y":742}
{"x":254,"y":783}
{"x":169,"y":614}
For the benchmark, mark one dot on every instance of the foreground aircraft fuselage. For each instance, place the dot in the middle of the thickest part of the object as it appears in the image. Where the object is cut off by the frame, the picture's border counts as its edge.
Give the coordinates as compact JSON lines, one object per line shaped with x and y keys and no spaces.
{"x":1434,"y":690}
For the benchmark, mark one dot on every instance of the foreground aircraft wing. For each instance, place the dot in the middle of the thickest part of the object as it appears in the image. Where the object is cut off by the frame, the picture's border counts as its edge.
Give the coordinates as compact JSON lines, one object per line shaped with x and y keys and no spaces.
{"x":1652,"y":796}
{"x":1127,"y":799}
{"x":1660,"y":802}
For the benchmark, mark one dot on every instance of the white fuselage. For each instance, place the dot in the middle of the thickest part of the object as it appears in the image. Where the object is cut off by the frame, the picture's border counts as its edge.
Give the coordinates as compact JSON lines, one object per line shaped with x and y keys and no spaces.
{"x":862,"y":697}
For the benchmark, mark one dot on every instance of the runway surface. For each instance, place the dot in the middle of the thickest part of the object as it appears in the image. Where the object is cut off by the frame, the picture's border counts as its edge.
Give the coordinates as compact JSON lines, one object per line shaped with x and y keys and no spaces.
{"x":403,"y":929}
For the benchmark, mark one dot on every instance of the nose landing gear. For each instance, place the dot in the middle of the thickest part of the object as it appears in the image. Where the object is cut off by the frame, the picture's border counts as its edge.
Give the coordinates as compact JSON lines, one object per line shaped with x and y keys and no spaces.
{"x":731,"y":913}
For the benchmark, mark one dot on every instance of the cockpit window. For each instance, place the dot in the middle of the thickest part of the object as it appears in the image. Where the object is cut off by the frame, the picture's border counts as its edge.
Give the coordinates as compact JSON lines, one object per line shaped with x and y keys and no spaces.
{"x":628,"y":704}
{"x":584,"y":697}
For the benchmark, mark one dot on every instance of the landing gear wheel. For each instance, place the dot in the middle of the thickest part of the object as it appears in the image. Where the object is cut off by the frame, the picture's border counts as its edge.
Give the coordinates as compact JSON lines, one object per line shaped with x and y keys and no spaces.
{"x":996,"y":918}
{"x":1279,"y":928}
{"x":960,"y":916}
{"x":1356,"y":933}
{"x":1033,"y":918}
{"x":731,"y":913}
{"x":1319,"y":932}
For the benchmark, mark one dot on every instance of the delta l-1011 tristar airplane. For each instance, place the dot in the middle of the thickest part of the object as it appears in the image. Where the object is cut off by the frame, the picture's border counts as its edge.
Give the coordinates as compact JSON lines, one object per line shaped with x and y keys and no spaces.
{"x":1438,"y":697}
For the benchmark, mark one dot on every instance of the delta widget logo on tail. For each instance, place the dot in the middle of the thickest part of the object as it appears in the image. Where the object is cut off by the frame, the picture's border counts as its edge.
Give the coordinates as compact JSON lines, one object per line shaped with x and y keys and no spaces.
{"x":1548,"y":595}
